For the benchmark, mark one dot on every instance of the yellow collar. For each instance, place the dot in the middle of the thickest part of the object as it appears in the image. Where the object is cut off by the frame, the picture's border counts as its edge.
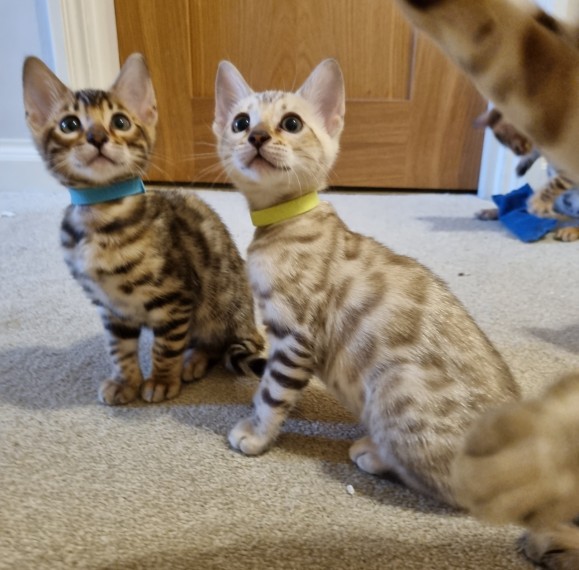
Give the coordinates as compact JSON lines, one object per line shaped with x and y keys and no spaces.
{"x":286,"y":210}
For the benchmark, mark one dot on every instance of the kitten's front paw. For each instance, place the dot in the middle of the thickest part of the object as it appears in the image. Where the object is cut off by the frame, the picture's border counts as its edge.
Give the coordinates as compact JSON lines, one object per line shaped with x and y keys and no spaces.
{"x":542,"y":205}
{"x":115,"y":393}
{"x":154,"y":391}
{"x":246,"y":438}
{"x":567,"y":234}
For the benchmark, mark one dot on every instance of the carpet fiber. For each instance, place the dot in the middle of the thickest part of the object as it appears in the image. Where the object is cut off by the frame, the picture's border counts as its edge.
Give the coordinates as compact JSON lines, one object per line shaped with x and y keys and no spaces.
{"x":155,"y":486}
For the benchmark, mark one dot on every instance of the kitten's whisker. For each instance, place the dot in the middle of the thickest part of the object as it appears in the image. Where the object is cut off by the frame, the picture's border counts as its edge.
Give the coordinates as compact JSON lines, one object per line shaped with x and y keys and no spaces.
{"x":213,"y":169}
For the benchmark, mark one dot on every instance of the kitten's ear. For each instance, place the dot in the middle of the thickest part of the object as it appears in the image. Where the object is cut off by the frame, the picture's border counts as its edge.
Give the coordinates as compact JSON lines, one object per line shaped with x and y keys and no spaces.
{"x":230,"y":87}
{"x":134,"y":88}
{"x":43,"y":91}
{"x":324,"y":88}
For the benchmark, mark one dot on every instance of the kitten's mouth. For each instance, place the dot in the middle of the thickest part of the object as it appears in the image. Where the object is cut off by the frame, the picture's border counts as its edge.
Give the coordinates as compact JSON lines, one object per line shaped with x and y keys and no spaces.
{"x":100,"y":158}
{"x":259,"y":160}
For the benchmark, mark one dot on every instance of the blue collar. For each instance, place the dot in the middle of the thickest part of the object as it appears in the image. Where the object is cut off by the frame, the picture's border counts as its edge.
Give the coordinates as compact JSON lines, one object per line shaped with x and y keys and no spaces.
{"x":88,"y":196}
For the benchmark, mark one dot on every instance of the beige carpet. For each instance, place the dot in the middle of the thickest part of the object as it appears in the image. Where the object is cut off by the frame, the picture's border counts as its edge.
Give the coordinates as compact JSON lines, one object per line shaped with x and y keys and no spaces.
{"x":156,"y":486}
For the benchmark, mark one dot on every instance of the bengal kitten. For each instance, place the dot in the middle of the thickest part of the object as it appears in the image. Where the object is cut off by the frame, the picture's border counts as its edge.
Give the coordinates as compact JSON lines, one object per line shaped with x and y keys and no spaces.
{"x":156,"y":259}
{"x":382,"y":332}
{"x":550,"y":201}
{"x":525,"y":456}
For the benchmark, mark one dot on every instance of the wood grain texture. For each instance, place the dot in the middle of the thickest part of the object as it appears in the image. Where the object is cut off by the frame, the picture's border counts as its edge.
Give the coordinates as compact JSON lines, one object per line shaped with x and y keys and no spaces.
{"x":409,"y":112}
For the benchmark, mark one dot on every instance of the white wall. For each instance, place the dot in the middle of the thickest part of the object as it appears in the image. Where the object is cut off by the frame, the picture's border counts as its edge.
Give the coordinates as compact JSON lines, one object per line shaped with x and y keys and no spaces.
{"x":24,"y":30}
{"x":14,"y":46}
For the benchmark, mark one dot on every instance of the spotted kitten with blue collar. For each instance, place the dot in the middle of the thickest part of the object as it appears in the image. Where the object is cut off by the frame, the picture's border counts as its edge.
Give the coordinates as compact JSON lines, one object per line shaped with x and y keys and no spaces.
{"x":157,"y":259}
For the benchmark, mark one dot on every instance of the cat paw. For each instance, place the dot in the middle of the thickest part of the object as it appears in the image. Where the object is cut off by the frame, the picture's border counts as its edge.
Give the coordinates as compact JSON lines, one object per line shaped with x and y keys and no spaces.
{"x":245,"y":438}
{"x":154,"y":391}
{"x":556,"y":550}
{"x":195,"y":365}
{"x":487,"y":214}
{"x":567,"y":234}
{"x":541,"y":205}
{"x":364,"y":454}
{"x":115,"y":393}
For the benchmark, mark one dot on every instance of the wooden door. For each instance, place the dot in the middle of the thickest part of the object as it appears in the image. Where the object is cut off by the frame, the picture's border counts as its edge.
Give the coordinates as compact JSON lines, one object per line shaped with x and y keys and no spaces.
{"x":409,"y":112}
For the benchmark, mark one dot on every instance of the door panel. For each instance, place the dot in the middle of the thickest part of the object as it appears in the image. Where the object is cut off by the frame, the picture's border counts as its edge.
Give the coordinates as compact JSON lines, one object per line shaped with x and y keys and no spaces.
{"x":409,"y":112}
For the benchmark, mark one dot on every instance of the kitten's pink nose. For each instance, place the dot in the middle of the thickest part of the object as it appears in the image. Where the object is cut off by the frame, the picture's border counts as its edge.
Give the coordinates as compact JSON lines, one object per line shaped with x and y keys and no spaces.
{"x":97,"y":137}
{"x":258,"y":138}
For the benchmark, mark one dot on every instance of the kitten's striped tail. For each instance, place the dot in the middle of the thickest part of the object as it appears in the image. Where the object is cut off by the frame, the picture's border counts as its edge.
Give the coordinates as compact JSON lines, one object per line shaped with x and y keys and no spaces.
{"x":245,"y":357}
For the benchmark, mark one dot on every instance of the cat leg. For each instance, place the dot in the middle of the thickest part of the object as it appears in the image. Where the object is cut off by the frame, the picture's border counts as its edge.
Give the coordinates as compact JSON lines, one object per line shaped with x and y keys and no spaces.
{"x":123,"y":344}
{"x":171,"y":339}
{"x":286,"y":374}
{"x":554,"y":549}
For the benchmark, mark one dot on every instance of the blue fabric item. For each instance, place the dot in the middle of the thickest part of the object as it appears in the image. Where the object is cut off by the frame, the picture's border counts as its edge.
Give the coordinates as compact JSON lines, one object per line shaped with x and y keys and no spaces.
{"x":88,"y":196}
{"x":514,"y":215}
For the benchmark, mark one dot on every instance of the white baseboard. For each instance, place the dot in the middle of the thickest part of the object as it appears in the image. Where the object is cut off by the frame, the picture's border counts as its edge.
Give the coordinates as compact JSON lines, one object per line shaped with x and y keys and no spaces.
{"x":21,"y":168}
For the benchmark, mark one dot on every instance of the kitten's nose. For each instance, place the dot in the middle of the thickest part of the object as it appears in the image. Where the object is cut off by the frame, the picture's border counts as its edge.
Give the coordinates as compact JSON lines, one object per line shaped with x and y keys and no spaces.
{"x":258,"y":138}
{"x":97,"y":136}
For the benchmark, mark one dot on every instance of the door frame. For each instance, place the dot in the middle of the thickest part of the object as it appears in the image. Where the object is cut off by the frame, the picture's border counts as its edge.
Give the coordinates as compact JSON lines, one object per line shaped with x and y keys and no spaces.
{"x":89,"y":55}
{"x":84,"y":41}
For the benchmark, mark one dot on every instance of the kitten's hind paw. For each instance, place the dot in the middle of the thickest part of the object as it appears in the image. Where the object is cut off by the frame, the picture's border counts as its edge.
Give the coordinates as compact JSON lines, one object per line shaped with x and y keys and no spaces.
{"x":195,"y":366}
{"x":487,"y":214}
{"x":115,"y":393}
{"x":364,"y":454}
{"x":154,"y":391}
{"x":245,"y":438}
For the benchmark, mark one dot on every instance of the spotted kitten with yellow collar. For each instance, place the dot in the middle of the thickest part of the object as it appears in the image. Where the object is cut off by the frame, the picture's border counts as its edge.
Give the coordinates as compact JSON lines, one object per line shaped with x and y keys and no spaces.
{"x":157,"y":259}
{"x":384,"y":334}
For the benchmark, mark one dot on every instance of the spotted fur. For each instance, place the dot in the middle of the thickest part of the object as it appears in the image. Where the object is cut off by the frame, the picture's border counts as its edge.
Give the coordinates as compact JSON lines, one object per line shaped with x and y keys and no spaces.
{"x":520,"y":463}
{"x":382,"y":332}
{"x":161,"y":260}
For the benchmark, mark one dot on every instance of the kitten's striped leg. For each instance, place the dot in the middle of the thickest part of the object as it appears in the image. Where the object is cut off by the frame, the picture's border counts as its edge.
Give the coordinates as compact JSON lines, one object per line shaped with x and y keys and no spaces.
{"x":123,"y":343}
{"x":171,"y":339}
{"x":287,"y":373}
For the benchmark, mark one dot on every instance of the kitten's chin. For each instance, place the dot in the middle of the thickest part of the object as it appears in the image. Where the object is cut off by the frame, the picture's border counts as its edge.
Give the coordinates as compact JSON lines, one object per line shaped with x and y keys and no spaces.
{"x":258,"y":172}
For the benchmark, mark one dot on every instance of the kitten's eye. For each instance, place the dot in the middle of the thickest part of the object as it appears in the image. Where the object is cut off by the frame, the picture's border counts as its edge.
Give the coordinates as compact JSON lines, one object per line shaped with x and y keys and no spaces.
{"x":240,"y":123}
{"x":70,"y":124}
{"x":120,"y":122}
{"x":291,"y":124}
